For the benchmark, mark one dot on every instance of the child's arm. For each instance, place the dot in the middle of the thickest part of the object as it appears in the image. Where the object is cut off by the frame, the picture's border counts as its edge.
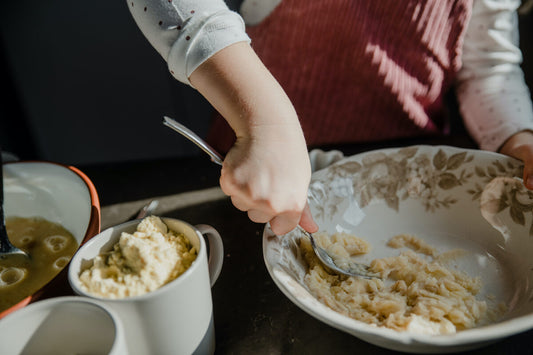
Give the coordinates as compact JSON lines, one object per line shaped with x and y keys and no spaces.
{"x":267,"y":171}
{"x":495,"y":101}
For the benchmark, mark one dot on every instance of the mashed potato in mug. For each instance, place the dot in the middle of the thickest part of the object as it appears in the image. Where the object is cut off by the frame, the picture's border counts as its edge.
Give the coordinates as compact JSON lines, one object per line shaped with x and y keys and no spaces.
{"x":140,"y":262}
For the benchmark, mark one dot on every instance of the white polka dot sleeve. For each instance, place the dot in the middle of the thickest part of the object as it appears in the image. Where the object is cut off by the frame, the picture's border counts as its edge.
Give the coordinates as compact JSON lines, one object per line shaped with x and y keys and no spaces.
{"x":187,"y":32}
{"x":494,"y":100}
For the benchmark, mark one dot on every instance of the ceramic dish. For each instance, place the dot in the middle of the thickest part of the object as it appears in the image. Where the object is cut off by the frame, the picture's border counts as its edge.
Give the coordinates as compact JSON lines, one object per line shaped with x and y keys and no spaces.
{"x":449,"y":197}
{"x":63,"y":325}
{"x":59,"y":193}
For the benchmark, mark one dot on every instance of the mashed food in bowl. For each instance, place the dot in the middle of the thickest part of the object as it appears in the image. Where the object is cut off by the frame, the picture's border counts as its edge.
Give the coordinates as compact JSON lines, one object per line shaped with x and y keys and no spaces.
{"x":418,"y":291}
{"x":140,"y":262}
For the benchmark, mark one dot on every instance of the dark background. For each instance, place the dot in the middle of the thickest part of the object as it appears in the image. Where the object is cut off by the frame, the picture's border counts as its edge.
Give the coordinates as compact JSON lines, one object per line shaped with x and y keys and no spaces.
{"x":81,"y":85}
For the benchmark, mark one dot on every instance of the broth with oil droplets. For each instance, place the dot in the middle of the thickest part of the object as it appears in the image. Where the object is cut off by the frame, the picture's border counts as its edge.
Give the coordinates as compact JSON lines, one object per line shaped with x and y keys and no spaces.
{"x":49,"y":246}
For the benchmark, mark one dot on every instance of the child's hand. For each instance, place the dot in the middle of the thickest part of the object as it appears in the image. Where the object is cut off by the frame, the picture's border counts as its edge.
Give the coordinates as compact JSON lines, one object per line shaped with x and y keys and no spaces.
{"x":267,"y":175}
{"x":520,"y":146}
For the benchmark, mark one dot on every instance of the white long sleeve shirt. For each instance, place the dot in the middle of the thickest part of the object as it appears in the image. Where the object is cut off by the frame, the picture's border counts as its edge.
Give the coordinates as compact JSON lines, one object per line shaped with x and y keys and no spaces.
{"x":187,"y":32}
{"x":494,"y":99}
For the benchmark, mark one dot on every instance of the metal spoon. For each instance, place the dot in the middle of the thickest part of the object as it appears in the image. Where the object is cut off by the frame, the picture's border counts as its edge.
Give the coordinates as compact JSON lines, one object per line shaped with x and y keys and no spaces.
{"x":6,"y":248}
{"x":145,"y":211}
{"x":193,"y":137}
{"x":351,"y":269}
{"x":354,"y":269}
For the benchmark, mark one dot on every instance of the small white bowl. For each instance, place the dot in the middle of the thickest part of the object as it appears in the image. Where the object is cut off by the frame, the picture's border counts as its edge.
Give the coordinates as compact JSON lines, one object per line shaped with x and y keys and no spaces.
{"x":63,"y":325}
{"x":59,"y":193}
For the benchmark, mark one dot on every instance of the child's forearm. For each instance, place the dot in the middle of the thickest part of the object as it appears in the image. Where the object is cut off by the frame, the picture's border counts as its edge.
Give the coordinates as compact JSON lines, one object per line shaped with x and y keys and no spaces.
{"x":238,"y":85}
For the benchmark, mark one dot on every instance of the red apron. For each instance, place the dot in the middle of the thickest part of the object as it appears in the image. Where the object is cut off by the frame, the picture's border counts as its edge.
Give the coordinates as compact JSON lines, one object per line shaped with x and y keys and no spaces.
{"x":359,"y":70}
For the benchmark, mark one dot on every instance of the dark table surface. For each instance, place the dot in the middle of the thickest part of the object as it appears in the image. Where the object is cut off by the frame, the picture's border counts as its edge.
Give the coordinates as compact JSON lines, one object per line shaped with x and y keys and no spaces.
{"x":252,"y":316}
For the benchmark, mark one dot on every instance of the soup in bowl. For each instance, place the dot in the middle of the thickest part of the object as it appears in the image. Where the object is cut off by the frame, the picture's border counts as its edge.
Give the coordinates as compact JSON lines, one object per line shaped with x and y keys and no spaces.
{"x":50,"y":210}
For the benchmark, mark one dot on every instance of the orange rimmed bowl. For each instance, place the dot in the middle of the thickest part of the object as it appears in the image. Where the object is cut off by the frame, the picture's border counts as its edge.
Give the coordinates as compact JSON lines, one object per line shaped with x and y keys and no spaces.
{"x":59,"y":193}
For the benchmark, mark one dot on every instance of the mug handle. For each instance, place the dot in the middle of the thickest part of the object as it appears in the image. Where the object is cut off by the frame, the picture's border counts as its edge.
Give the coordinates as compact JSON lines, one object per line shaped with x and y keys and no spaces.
{"x":216,"y":251}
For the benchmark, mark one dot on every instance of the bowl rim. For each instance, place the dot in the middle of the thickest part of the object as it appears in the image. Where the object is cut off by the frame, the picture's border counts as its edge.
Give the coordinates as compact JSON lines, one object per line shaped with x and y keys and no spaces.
{"x":93,"y":227}
{"x":114,"y":233}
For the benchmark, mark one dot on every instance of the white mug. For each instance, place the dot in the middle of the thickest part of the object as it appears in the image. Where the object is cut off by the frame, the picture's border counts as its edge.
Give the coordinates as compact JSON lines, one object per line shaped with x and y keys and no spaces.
{"x":63,"y":325}
{"x":176,"y":318}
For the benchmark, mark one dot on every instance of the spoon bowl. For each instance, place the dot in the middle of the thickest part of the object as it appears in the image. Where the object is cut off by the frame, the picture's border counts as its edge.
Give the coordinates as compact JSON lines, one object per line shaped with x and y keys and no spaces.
{"x":6,"y":248}
{"x":349,"y":268}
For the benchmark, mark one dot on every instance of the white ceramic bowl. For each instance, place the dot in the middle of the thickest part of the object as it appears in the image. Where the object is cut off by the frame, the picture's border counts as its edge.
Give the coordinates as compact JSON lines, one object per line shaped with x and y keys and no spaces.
{"x":58,"y":193}
{"x":449,"y":197}
{"x":63,"y":325}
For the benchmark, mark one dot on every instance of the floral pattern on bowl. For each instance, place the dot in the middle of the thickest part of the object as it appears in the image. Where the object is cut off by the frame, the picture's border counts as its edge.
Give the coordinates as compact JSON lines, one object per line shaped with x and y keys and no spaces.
{"x":450,"y":197}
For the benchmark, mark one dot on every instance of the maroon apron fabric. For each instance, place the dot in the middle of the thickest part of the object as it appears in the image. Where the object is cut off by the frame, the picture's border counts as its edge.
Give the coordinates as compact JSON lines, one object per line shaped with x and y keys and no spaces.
{"x":359,"y":70}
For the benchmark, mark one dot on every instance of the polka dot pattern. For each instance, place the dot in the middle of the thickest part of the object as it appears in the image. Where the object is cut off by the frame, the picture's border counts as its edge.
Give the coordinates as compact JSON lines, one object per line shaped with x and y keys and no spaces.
{"x":187,"y":32}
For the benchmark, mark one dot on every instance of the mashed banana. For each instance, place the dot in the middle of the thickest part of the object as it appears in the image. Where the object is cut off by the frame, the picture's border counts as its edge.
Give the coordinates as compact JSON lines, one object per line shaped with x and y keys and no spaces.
{"x":140,"y":262}
{"x":417,"y":292}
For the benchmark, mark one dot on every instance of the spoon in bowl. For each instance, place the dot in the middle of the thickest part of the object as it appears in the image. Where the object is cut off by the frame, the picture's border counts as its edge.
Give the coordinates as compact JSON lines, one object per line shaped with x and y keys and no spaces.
{"x":6,"y":248}
{"x":349,"y":267}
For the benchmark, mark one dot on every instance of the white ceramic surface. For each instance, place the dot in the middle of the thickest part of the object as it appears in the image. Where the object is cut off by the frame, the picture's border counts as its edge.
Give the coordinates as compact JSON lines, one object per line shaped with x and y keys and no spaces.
{"x":50,"y":191}
{"x":449,"y":197}
{"x":175,"y":319}
{"x":63,"y":325}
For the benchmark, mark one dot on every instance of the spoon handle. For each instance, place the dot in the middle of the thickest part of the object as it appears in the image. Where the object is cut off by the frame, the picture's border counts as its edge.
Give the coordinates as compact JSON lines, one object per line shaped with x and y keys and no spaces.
{"x":5,"y":245}
{"x":187,"y":133}
{"x":2,"y":215}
